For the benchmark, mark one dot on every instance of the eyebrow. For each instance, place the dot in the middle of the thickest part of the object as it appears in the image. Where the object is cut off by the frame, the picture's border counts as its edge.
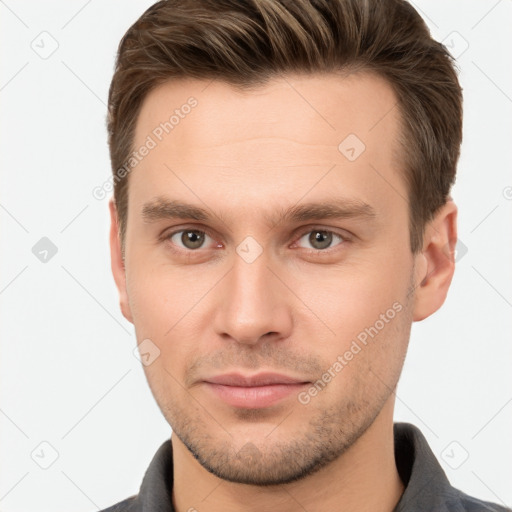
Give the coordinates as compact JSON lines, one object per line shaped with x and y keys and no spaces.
{"x":162,"y":208}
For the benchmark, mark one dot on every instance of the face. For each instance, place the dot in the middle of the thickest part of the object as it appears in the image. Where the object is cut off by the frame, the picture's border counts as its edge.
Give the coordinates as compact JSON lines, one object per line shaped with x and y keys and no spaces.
{"x":268,"y":270}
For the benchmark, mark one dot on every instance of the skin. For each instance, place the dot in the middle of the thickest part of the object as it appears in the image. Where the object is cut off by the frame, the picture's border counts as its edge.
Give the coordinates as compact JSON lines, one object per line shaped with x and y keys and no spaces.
{"x":246,"y":157}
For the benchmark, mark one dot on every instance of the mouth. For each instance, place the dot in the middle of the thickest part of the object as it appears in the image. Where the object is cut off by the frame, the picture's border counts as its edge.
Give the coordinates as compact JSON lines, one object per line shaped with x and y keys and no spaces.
{"x":255,"y":391}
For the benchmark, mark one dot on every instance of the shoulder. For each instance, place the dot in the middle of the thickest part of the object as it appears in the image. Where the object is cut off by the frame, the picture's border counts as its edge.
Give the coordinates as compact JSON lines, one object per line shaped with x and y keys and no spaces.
{"x":471,"y":504}
{"x":131,"y":504}
{"x":427,"y":487}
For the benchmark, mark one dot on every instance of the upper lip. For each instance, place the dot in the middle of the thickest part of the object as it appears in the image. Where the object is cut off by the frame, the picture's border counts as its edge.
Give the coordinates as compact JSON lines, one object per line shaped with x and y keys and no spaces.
{"x":260,"y":379}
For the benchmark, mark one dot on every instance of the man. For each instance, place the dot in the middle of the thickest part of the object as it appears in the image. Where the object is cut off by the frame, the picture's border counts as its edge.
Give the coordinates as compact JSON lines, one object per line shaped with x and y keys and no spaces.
{"x":281,"y":216}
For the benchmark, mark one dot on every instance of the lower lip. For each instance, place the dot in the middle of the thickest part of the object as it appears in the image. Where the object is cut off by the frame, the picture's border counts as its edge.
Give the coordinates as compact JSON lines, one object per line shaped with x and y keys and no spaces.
{"x":254,"y":397}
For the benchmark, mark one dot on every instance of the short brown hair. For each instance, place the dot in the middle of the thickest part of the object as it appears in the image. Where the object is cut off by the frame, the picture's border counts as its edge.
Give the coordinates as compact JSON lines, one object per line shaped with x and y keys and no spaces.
{"x":247,"y":42}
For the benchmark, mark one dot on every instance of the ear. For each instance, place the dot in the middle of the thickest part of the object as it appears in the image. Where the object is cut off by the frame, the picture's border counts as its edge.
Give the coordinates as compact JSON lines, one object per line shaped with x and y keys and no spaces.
{"x":117,"y":263}
{"x":436,"y":263}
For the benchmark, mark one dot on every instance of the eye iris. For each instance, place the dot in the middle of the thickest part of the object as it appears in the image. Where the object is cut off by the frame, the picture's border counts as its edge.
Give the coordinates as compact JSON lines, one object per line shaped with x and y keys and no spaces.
{"x":320,"y":239}
{"x":192,"y":239}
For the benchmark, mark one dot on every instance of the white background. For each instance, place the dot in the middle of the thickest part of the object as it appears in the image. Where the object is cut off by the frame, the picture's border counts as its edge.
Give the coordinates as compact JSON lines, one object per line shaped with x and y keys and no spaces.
{"x":68,"y":374}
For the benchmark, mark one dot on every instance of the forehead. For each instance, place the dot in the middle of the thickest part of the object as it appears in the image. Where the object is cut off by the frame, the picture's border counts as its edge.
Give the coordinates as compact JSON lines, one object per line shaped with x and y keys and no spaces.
{"x":282,"y":136}
{"x":320,"y":107}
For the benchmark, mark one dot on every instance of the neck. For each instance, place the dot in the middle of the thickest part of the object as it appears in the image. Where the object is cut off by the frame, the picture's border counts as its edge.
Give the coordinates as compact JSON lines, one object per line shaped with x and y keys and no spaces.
{"x":363,"y":479}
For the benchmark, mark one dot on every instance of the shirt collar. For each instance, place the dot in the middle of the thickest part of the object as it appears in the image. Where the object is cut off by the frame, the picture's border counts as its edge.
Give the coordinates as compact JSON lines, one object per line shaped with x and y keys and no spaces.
{"x":426,"y":485}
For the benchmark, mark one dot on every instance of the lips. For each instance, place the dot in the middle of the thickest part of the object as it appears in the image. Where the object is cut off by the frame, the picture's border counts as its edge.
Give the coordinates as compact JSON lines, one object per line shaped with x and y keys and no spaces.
{"x":253,"y":391}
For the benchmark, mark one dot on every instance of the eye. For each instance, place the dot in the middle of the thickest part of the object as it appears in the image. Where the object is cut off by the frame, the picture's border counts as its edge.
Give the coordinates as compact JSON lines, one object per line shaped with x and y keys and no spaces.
{"x":190,"y":239}
{"x":320,"y":239}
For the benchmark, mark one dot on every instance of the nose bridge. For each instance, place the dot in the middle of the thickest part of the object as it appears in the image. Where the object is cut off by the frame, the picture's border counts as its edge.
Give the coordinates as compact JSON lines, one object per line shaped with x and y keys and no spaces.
{"x":252,"y":305}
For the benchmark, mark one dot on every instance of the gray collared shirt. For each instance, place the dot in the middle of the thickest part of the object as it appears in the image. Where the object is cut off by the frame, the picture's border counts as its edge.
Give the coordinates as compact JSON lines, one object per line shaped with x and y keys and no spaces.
{"x":427,"y":488}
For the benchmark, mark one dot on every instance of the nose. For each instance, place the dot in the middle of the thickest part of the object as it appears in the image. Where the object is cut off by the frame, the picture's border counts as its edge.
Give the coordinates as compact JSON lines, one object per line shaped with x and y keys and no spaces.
{"x":253,"y":304}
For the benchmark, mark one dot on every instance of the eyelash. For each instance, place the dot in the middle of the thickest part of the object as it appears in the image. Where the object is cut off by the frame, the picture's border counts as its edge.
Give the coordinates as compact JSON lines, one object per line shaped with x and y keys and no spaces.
{"x":316,"y":252}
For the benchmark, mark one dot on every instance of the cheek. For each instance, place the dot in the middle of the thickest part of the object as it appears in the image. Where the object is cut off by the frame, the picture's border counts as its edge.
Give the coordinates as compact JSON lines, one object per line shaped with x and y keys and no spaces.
{"x":366,"y":308}
{"x":167,"y":306}
{"x":159,"y":295}
{"x":351,"y":298}
{"x":364,"y":363}
{"x":159,"y":309}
